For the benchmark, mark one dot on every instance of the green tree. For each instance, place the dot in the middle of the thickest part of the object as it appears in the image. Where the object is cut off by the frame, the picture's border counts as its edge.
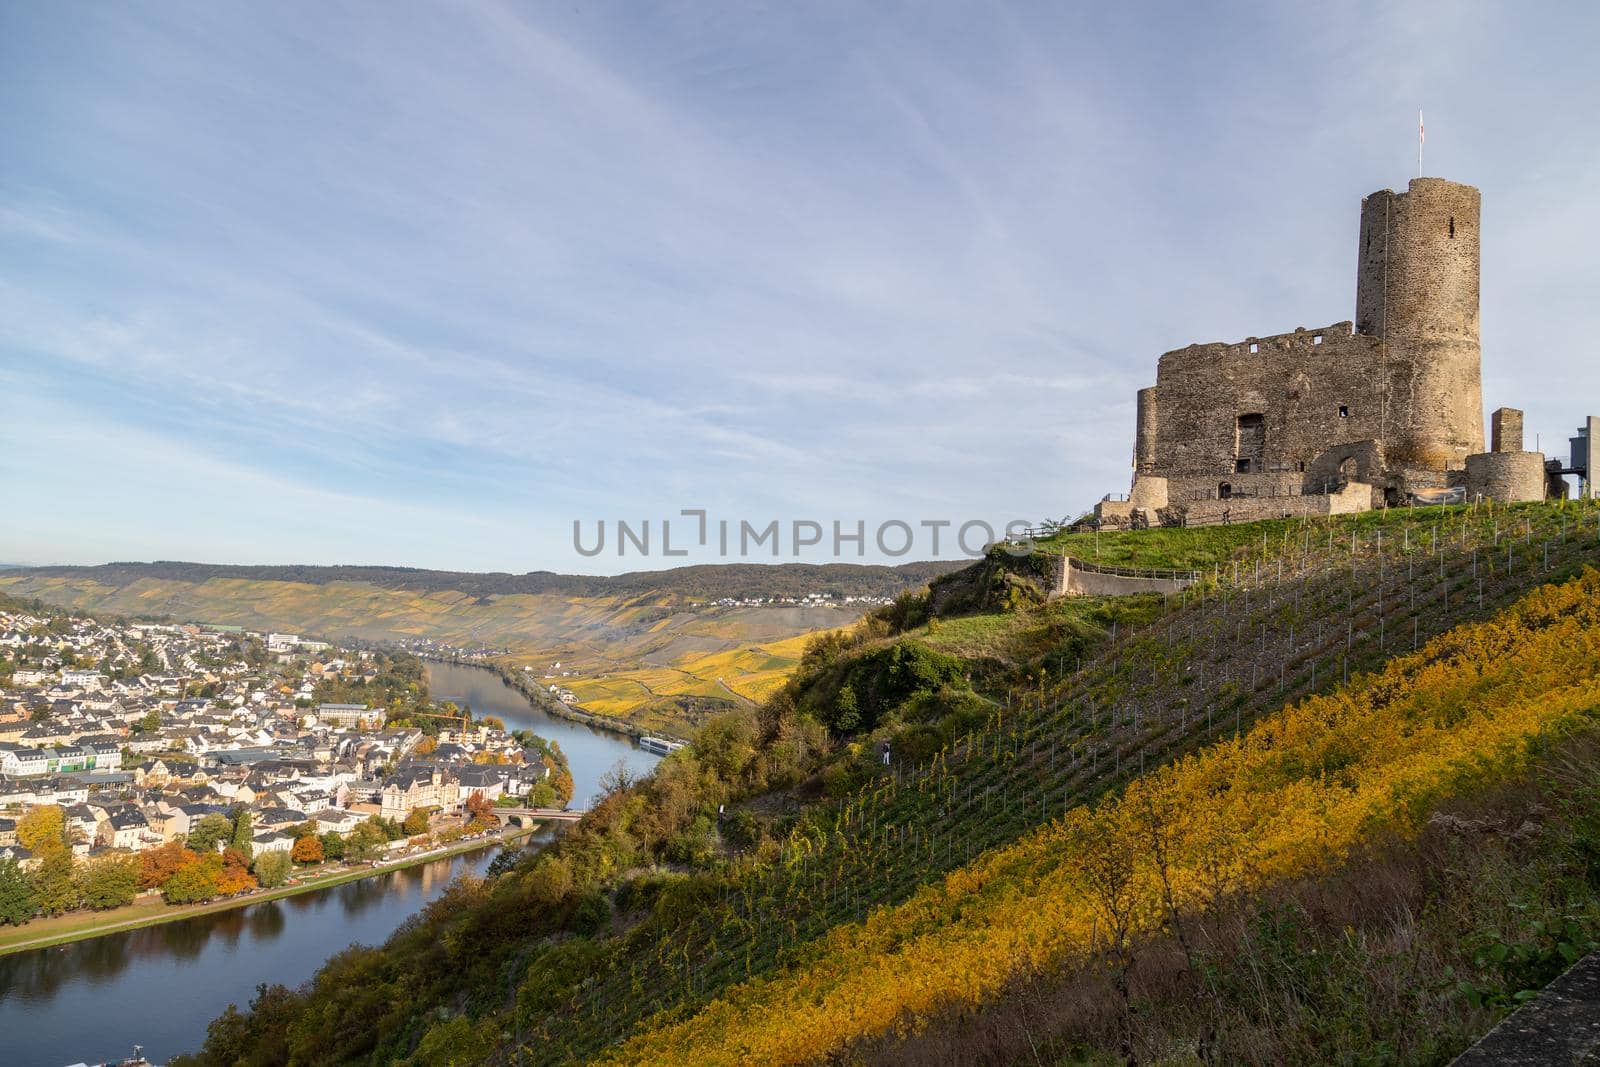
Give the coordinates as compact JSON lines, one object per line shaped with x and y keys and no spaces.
{"x":209,"y":832}
{"x":55,"y":884}
{"x":365,"y":841}
{"x":152,"y":719}
{"x":17,"y":901}
{"x":244,"y":841}
{"x":109,"y":882}
{"x":333,"y":845}
{"x":272,"y":869}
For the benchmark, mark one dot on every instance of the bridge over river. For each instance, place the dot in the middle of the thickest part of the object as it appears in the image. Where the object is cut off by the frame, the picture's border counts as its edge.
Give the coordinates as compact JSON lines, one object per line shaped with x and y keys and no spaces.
{"x":528,"y":816}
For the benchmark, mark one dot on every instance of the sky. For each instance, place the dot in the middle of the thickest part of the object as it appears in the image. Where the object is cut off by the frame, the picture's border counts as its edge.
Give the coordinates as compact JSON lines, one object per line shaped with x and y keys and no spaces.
{"x":426,"y":284}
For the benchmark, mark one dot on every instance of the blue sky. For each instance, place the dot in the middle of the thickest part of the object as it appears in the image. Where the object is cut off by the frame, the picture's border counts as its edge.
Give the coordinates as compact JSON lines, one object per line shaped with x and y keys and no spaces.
{"x":422,"y":284}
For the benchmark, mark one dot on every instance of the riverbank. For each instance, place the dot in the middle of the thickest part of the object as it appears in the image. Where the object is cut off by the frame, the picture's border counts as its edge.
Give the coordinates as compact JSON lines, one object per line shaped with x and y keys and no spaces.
{"x":153,"y":911}
{"x":540,"y":697}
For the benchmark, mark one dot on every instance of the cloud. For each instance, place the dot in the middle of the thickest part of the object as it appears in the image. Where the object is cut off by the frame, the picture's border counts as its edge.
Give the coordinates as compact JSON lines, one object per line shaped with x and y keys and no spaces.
{"x":539,"y":263}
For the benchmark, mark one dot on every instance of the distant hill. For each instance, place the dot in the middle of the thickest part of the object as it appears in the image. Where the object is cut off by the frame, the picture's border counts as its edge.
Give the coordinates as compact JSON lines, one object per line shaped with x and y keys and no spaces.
{"x":651,"y":647}
{"x":705,"y":581}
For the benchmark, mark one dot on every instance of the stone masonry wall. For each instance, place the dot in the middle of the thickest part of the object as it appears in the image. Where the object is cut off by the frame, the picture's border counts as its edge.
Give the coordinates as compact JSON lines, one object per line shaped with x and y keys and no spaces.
{"x":1417,"y":291}
{"x":1313,"y":389}
{"x":1508,"y":477}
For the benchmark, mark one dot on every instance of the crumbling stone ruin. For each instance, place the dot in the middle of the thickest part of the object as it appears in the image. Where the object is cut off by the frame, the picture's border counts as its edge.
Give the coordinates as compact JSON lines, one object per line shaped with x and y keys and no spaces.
{"x":1382,"y":411}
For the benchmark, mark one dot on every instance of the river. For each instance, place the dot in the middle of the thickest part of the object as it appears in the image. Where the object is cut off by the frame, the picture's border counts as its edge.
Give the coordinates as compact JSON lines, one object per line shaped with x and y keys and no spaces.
{"x":159,"y":986}
{"x":590,"y":752}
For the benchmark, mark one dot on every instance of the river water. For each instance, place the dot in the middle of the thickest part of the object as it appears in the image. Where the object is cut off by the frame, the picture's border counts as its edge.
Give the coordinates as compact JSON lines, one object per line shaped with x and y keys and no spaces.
{"x":159,"y":986}
{"x":590,"y":752}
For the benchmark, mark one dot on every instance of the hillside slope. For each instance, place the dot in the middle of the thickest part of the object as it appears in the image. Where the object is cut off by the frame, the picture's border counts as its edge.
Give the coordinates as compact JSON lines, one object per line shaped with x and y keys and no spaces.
{"x":654,"y":922}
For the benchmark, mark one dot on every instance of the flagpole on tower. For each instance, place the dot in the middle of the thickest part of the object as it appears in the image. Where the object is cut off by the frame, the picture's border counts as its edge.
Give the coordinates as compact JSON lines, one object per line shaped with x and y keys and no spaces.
{"x":1419,"y":142}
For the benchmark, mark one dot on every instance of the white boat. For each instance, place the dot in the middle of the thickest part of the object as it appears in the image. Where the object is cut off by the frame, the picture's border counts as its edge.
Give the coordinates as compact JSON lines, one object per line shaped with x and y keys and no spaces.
{"x":659,"y":745}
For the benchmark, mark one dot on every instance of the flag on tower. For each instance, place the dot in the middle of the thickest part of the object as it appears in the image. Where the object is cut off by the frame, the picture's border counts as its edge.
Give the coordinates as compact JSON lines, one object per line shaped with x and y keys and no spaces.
{"x":1419,"y":142}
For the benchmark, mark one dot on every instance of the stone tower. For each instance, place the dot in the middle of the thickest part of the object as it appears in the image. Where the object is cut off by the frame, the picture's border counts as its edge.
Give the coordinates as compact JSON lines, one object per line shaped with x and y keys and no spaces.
{"x":1417,"y":293}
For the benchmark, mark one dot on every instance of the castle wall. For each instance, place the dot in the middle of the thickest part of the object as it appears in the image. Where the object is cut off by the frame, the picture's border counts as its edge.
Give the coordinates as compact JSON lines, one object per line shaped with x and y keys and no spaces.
{"x":1417,"y":292}
{"x":1354,"y":498}
{"x":1080,"y":581}
{"x":1505,"y":430}
{"x":1313,"y":389}
{"x":1507,"y":477}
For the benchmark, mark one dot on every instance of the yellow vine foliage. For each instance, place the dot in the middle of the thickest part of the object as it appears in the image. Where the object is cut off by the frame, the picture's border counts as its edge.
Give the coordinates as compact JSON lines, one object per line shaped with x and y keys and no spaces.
{"x":1290,"y":797}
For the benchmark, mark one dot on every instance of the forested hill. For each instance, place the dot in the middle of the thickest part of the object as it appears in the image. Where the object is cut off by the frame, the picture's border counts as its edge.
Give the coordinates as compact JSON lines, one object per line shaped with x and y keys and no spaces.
{"x":708,"y":581}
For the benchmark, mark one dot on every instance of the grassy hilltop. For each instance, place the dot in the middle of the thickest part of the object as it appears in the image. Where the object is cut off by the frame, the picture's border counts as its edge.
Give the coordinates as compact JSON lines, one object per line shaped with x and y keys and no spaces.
{"x":1335,"y":802}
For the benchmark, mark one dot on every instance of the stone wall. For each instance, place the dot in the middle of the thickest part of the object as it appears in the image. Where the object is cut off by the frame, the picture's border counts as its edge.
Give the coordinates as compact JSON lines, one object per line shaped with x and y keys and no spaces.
{"x":1081,"y":580}
{"x":1505,"y":430}
{"x":1417,"y":291}
{"x":1311,"y":389}
{"x":1144,"y":448}
{"x":1353,"y":498}
{"x":1508,"y":477}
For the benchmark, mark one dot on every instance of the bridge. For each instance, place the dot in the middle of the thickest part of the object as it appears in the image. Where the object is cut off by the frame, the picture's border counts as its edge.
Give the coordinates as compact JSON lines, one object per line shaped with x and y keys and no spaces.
{"x":526,"y":816}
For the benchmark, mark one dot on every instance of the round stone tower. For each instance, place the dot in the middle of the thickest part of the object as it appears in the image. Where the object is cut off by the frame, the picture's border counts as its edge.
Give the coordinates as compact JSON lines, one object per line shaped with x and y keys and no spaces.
{"x":1144,"y":447}
{"x":1417,"y":291}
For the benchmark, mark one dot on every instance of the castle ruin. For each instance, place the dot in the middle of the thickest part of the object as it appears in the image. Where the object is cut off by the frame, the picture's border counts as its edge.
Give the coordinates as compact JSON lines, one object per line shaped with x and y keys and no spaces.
{"x":1382,"y":411}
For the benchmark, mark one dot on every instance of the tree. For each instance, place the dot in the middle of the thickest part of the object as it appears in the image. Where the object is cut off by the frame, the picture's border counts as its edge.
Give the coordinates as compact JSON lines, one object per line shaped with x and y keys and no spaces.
{"x":307,"y":850}
{"x":479,"y":809}
{"x":194,"y":882}
{"x":211,"y":831}
{"x":159,"y":864}
{"x":333,"y":845}
{"x":55,"y":884}
{"x":244,"y":832}
{"x":365,"y":841}
{"x":17,"y":901}
{"x":272,"y":868}
{"x":416,"y":822}
{"x":42,"y":827}
{"x":235,"y":876}
{"x":109,"y":882}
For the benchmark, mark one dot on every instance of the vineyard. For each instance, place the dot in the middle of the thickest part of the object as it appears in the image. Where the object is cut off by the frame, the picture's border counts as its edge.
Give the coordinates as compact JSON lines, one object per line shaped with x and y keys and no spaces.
{"x":1292,"y":795}
{"x":1295,"y":608}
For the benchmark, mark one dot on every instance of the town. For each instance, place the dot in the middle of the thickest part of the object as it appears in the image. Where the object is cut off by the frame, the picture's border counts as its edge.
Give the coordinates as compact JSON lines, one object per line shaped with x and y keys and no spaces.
{"x":203,"y":762}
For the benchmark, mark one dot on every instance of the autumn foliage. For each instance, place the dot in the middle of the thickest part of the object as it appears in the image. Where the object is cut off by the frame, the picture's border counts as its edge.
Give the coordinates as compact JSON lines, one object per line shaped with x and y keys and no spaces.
{"x":1293,"y":795}
{"x":307,"y":851}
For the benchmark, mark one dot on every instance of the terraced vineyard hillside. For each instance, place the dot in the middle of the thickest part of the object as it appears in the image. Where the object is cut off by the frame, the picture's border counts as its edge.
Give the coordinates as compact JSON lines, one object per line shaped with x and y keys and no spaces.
{"x":1297,"y":608}
{"x":660,"y":929}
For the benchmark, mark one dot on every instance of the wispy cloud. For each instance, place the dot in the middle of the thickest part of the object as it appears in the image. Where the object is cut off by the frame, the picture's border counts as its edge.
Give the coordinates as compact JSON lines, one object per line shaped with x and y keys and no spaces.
{"x":536,"y":263}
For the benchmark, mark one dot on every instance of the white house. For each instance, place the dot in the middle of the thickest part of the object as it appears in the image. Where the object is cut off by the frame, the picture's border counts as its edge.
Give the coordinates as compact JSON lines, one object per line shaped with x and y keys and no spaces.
{"x":272,"y":841}
{"x":17,"y":761}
